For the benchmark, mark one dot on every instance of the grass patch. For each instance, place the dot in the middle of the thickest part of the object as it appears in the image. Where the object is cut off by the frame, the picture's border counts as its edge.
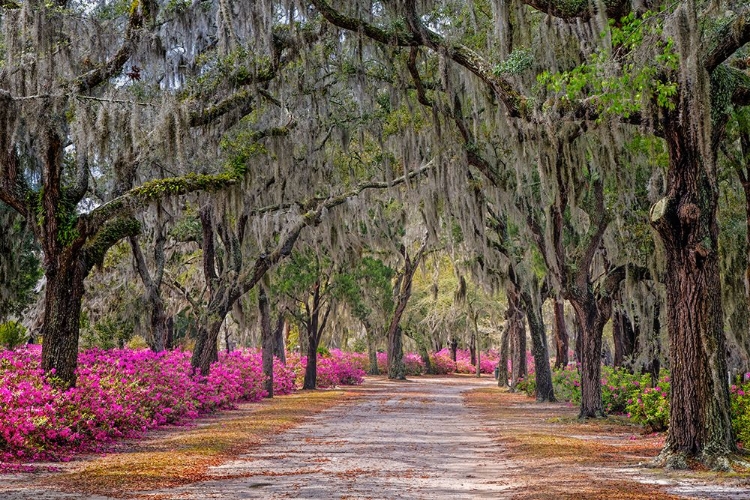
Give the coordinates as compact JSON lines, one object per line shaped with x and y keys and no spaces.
{"x":179,"y":456}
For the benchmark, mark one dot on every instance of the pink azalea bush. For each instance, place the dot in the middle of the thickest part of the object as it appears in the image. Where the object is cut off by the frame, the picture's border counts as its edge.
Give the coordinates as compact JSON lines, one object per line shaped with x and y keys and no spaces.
{"x":118,"y":393}
{"x":442,"y":362}
{"x":336,"y":368}
{"x":413,"y":364}
{"x":740,"y":399}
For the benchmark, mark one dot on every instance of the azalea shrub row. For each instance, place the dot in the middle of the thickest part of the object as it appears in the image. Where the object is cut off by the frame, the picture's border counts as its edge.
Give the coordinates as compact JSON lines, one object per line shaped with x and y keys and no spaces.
{"x":644,"y":403}
{"x":126,"y":392}
{"x":442,"y":362}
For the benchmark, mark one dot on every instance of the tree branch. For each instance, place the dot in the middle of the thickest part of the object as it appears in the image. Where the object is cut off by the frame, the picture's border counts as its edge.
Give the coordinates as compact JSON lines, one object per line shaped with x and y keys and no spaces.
{"x":515,"y":103}
{"x":128,"y":203}
{"x":728,"y":39}
{"x":581,"y":9}
{"x":113,"y":67}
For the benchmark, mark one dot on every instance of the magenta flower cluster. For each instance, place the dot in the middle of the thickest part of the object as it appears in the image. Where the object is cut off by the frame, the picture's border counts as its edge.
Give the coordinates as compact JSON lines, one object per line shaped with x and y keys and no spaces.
{"x":442,"y":362}
{"x":118,"y":393}
{"x":334,"y":369}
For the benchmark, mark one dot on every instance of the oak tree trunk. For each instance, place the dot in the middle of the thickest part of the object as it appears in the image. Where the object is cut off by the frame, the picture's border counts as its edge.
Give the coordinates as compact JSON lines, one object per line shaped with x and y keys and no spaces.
{"x":591,"y":321}
{"x":372,"y":353}
{"x":279,"y":343}
{"x":543,"y":372}
{"x":502,"y":372}
{"x":561,"y":334}
{"x":396,"y":369}
{"x":267,"y":340}
{"x":62,"y":311}
{"x":517,"y":334}
{"x":624,"y":337}
{"x":699,"y":424}
{"x":311,"y":370}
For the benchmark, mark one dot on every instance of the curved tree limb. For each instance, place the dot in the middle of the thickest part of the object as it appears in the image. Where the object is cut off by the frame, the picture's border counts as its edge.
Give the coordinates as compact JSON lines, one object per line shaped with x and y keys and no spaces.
{"x":515,"y":102}
{"x":728,"y":39}
{"x":112,"y":67}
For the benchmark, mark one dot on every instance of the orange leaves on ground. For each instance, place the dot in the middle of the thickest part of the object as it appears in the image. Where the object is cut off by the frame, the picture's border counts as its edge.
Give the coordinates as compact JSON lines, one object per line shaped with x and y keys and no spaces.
{"x":564,"y":458}
{"x":182,"y":455}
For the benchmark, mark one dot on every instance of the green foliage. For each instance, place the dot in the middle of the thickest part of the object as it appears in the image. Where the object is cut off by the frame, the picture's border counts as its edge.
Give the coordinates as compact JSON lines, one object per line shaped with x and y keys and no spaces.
{"x":188,"y":228}
{"x":517,"y":62}
{"x":618,"y":80}
{"x":171,"y":186}
{"x":622,"y":392}
{"x":324,"y":352}
{"x":741,"y":412}
{"x":108,"y":333}
{"x":650,"y":407}
{"x":12,"y":334}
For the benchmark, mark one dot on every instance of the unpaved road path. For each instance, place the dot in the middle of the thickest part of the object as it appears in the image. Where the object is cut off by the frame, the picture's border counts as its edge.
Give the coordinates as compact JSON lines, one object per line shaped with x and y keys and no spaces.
{"x":412,"y":439}
{"x":421,"y":439}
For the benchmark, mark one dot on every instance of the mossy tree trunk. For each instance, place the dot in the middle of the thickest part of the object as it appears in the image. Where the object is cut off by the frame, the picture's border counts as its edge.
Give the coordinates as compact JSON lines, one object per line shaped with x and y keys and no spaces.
{"x":279,"y":347}
{"x":372,"y":353}
{"x":517,"y":337}
{"x":315,"y":322}
{"x":592,"y":321}
{"x":502,"y":372}
{"x":624,"y":338}
{"x":543,"y":373}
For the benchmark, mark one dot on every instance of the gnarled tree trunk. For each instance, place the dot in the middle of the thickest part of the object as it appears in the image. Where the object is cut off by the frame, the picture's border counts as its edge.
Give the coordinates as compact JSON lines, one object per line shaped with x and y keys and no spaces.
{"x":591,"y":320}
{"x":624,"y":337}
{"x":699,"y":424}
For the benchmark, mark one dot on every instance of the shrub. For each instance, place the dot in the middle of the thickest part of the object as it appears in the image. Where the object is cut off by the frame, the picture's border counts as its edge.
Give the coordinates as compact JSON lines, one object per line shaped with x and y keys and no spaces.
{"x":12,"y":334}
{"x":120,"y":392}
{"x":413,"y":364}
{"x":650,"y":406}
{"x":740,"y":398}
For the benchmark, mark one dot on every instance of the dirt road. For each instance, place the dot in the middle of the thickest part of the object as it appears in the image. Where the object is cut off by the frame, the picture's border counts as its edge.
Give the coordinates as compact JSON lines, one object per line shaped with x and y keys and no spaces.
{"x":411,"y":439}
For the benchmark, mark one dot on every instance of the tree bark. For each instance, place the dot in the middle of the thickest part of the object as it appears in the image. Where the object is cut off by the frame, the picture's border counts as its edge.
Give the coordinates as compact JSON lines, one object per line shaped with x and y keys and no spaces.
{"x":396,"y":369}
{"x":543,"y":373}
{"x":699,"y":424}
{"x":371,"y":352}
{"x":561,"y":334}
{"x":314,"y":328}
{"x":473,"y":348}
{"x":279,"y":343}
{"x":403,"y":293}
{"x":502,"y":372}
{"x":624,"y":337}
{"x":454,"y":349}
{"x":267,"y":339}
{"x":591,"y":320}
{"x":62,"y":310}
{"x":517,"y":337}
{"x":206,"y":351}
